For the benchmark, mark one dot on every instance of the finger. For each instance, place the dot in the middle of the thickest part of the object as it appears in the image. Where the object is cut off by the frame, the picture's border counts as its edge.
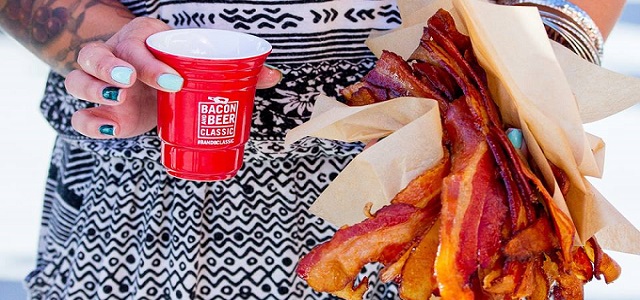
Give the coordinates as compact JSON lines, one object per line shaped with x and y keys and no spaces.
{"x":97,"y":59}
{"x":150,"y":70}
{"x":370,"y":143}
{"x":130,"y":46}
{"x":95,"y":123}
{"x":103,"y":123}
{"x":130,"y":118}
{"x":269,"y":76}
{"x":84,"y":86}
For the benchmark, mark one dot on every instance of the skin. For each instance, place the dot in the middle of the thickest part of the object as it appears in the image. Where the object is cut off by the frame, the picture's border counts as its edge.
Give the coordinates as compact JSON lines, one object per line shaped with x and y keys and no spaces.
{"x":94,"y":36}
{"x":604,"y":13}
{"x":84,"y":48}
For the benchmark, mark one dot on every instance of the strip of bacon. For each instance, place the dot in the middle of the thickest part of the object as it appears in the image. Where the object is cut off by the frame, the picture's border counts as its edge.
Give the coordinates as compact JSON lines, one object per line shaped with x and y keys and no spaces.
{"x":392,"y":77}
{"x":438,"y":79}
{"x":363,"y":93}
{"x":493,"y":231}
{"x":472,"y":183}
{"x":542,"y":282}
{"x":427,"y":186}
{"x":417,"y":280}
{"x":418,"y":193}
{"x":532,"y":241}
{"x":334,"y":265}
{"x":517,"y":177}
{"x":603,"y":265}
{"x":507,"y":279}
{"x":454,"y":63}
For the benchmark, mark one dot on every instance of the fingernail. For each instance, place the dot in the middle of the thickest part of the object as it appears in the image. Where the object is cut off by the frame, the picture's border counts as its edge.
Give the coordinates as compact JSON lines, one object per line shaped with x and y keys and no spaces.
{"x":170,"y":82}
{"x":121,"y":74}
{"x":111,"y":93}
{"x":107,"y":130}
{"x":270,"y":67}
{"x":515,"y":136}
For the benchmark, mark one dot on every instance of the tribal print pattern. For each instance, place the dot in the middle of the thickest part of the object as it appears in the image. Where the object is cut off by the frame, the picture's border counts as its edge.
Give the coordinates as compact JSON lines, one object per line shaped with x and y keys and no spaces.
{"x":116,"y":226}
{"x":141,"y":234}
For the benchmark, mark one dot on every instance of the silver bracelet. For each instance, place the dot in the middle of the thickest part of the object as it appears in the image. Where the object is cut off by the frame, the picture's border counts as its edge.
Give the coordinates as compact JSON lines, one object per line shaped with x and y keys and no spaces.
{"x":569,"y":25}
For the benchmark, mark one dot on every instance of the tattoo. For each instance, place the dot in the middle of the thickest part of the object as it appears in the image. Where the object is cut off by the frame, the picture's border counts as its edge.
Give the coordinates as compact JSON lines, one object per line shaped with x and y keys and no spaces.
{"x":55,"y":30}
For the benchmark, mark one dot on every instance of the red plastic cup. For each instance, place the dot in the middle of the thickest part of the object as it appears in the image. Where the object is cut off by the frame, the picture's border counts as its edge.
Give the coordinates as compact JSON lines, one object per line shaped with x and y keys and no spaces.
{"x":205,"y":126}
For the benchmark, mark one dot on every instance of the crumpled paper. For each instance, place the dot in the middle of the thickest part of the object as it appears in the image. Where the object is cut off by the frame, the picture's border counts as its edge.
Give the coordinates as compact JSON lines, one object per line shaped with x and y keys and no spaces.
{"x":411,"y":142}
{"x":540,"y":87}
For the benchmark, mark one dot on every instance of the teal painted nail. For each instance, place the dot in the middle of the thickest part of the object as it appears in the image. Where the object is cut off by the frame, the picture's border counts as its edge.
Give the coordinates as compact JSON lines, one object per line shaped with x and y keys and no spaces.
{"x":170,"y":82}
{"x":515,"y":136}
{"x":121,"y":74}
{"x":111,"y":93}
{"x":107,"y":130}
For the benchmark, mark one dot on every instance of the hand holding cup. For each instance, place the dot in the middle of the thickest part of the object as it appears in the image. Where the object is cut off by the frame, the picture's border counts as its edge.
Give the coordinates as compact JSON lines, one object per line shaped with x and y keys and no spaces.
{"x":122,"y":76}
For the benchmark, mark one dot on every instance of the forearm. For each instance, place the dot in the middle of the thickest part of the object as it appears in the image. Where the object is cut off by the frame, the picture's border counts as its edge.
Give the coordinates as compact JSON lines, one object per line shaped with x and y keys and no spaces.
{"x":55,"y":30}
{"x":605,"y":13}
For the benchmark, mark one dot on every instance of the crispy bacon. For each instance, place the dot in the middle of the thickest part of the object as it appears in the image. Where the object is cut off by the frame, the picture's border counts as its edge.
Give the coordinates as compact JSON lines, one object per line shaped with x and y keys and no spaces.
{"x":437,"y":79}
{"x":417,"y":279}
{"x":508,"y":279}
{"x":603,"y":264}
{"x":392,"y":77}
{"x":522,"y":186}
{"x":383,"y":238}
{"x":472,"y":183}
{"x":532,"y":241}
{"x":499,"y":233}
{"x":427,"y":186}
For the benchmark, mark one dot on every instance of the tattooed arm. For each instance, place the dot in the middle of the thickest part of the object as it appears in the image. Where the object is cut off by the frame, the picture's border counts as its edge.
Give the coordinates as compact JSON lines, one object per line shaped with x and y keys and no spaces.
{"x":99,"y":46}
{"x":55,"y":30}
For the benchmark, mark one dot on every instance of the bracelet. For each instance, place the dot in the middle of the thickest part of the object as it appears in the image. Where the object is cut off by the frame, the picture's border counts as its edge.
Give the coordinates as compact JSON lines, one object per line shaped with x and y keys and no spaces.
{"x":569,"y":25}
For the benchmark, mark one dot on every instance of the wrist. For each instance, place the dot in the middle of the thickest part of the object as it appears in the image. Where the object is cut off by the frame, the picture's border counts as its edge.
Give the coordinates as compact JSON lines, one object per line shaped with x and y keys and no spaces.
{"x":569,"y":25}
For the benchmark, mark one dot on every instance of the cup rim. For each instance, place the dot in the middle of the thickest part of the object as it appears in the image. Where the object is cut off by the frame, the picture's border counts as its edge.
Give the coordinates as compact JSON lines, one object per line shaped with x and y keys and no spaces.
{"x":155,"y":39}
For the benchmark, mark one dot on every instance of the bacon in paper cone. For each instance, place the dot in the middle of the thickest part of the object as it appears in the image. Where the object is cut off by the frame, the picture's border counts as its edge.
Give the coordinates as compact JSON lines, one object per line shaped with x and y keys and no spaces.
{"x":500,"y":234}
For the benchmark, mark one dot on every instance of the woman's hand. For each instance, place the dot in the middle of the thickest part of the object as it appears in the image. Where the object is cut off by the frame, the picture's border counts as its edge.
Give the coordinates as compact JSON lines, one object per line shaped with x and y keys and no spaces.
{"x":122,"y":76}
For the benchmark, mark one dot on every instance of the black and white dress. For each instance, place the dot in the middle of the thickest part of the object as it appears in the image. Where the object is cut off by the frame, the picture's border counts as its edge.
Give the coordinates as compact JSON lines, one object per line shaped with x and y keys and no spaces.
{"x":116,"y":226}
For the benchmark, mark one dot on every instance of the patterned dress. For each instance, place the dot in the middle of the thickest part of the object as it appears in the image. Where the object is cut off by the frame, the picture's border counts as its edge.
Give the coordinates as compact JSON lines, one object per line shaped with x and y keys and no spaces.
{"x":116,"y":226}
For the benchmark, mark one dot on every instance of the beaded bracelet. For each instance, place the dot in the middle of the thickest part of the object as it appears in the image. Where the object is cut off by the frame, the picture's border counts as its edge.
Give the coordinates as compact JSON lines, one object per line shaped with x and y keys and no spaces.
{"x":569,"y":25}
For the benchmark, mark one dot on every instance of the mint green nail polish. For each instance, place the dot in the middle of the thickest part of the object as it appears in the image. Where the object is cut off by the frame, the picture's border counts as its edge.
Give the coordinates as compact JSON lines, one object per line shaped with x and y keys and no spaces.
{"x":107,"y":130}
{"x":515,"y":136}
{"x":271,"y":67}
{"x":121,"y":74}
{"x":111,"y":93}
{"x":170,"y":82}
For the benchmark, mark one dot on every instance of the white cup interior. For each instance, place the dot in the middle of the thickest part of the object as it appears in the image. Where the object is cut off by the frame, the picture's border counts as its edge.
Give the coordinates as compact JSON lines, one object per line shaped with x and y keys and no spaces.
{"x":203,"y":43}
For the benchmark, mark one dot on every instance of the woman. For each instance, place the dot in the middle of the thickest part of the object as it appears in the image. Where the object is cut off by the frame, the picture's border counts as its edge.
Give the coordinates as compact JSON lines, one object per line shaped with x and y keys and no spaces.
{"x":115,"y":225}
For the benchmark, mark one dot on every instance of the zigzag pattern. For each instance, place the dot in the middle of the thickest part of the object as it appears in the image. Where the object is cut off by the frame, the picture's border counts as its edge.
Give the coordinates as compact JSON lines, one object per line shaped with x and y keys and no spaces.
{"x":266,"y":17}
{"x":247,"y":18}
{"x":326,"y":16}
{"x":116,"y":226}
{"x":204,"y":241}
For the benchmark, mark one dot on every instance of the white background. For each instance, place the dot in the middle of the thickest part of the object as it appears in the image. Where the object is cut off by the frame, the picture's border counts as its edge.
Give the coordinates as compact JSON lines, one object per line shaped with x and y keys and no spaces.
{"x":26,"y":141}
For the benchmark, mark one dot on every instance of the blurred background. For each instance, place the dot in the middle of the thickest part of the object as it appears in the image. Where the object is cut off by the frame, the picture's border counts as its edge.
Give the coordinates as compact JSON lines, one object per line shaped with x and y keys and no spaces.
{"x":27,"y":140}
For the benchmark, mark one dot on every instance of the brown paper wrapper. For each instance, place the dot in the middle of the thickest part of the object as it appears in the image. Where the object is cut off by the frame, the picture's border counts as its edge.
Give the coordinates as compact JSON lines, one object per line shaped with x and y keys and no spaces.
{"x":540,"y":87}
{"x":411,"y":142}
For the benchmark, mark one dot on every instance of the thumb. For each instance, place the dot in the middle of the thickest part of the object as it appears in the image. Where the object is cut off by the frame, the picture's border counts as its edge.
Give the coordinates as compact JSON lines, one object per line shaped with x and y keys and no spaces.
{"x":268,"y":77}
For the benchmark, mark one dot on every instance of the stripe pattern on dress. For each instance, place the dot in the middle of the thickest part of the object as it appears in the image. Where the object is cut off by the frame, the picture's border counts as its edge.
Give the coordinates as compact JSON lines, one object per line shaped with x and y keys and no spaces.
{"x":116,"y":226}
